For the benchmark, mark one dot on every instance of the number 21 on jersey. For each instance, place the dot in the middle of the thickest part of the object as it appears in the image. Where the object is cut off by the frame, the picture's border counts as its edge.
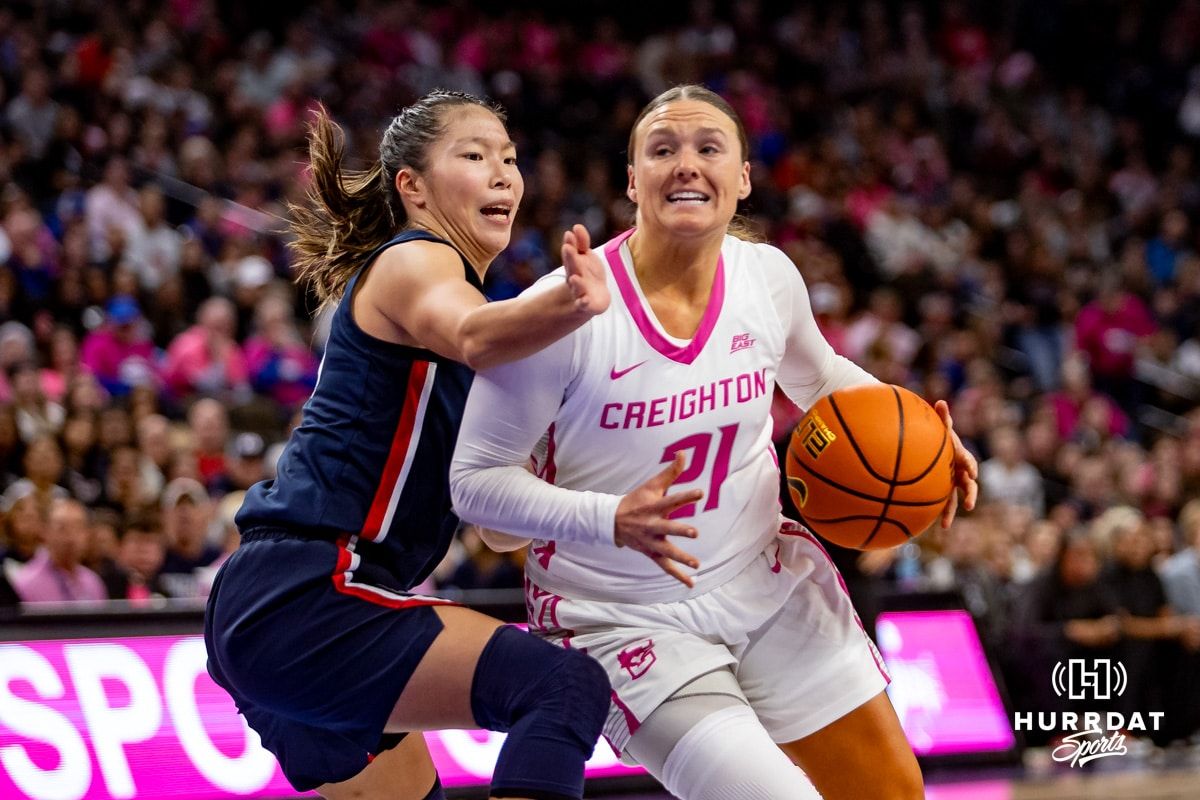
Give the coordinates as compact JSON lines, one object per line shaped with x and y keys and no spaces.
{"x":700,"y":444}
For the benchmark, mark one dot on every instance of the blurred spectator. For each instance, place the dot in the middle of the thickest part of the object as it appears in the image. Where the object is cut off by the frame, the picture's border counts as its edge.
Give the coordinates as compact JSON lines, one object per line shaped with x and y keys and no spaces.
{"x":36,"y":415}
{"x":1076,"y":396}
{"x":56,"y":573}
{"x":206,"y":359}
{"x":23,"y":527}
{"x":1108,"y":332}
{"x":112,"y":212}
{"x":1006,"y":477}
{"x":120,"y":353}
{"x":209,"y":426}
{"x":1181,"y":572}
{"x":185,"y":517}
{"x":154,"y":451}
{"x":154,"y":248}
{"x":43,"y":467}
{"x":281,"y":365}
{"x":140,"y":558}
{"x":962,"y":567}
{"x":245,"y":466}
{"x":33,"y":114}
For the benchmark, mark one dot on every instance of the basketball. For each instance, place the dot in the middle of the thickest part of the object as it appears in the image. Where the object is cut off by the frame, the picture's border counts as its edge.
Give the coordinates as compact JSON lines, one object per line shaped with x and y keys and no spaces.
{"x":870,"y":467}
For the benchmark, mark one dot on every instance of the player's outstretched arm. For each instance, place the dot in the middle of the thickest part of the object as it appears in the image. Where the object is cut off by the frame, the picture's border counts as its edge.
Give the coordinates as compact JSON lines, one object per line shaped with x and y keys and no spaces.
{"x":420,"y":288}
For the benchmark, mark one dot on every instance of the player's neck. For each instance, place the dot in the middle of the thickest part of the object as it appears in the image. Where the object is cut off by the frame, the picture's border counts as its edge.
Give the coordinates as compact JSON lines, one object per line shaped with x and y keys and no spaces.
{"x":682,"y":267}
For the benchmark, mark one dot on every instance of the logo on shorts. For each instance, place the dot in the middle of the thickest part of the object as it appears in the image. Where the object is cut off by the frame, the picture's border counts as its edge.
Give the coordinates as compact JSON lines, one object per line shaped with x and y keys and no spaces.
{"x":816,"y":436}
{"x":741,"y":341}
{"x":637,"y":659}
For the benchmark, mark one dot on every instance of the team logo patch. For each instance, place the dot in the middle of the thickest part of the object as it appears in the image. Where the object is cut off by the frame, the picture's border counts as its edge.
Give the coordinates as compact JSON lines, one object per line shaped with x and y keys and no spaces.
{"x":817,"y":436}
{"x":741,"y":341}
{"x":637,"y":659}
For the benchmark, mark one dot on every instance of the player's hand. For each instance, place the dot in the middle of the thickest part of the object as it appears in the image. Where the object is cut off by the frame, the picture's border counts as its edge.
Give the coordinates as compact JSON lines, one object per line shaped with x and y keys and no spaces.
{"x":587,"y":277}
{"x":966,"y":470}
{"x":642,"y":523}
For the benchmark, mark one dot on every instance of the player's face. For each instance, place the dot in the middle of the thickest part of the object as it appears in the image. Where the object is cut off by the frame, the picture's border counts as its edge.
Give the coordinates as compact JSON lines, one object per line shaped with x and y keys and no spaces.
{"x":471,"y":185}
{"x":687,"y":173}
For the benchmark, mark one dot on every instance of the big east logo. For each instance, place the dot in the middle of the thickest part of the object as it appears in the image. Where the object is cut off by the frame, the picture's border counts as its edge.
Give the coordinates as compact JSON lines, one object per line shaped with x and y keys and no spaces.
{"x":638,"y":658}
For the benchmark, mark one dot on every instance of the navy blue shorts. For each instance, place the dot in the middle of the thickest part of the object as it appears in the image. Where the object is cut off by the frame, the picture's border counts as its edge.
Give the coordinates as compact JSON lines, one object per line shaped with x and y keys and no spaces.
{"x":315,"y":662}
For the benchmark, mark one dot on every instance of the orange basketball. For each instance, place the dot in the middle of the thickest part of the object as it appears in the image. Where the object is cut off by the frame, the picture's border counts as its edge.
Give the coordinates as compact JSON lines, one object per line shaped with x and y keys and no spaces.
{"x":870,"y":467}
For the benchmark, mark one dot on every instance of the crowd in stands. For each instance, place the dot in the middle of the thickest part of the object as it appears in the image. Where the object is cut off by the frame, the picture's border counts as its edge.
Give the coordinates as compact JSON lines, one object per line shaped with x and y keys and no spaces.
{"x":991,"y":203}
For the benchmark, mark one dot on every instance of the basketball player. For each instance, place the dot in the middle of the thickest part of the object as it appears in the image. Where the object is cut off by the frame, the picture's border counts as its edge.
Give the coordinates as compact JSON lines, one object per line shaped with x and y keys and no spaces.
{"x":311,"y":625}
{"x":760,"y":645}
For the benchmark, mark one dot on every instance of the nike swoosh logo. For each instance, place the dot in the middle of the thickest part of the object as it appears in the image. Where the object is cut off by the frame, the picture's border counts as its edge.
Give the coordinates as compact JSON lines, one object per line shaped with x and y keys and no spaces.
{"x":614,"y":373}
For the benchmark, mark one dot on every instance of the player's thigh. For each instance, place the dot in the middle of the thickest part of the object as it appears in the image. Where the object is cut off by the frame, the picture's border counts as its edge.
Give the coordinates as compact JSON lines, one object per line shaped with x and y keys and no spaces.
{"x":438,"y":695}
{"x":405,"y":772}
{"x":862,"y":754}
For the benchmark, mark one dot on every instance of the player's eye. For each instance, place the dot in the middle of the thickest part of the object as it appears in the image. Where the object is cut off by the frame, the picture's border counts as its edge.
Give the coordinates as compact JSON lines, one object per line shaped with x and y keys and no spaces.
{"x":511,"y":160}
{"x":473,"y":156}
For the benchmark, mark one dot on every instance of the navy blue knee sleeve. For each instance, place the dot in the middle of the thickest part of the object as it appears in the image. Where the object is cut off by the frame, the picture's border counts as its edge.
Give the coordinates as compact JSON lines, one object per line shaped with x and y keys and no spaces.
{"x":551,"y":701}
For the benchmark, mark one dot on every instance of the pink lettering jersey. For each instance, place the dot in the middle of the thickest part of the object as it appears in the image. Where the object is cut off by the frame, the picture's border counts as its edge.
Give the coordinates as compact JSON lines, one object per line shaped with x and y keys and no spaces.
{"x":608,"y":406}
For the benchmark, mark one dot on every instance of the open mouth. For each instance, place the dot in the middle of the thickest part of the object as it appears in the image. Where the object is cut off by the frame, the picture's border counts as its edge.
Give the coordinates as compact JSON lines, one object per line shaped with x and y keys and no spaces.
{"x":687,"y":198}
{"x":498,"y":212}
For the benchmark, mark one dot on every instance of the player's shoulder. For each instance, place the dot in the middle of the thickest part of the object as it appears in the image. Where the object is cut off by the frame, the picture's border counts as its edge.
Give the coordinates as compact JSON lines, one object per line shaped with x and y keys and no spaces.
{"x":762,"y":258}
{"x":418,"y":259}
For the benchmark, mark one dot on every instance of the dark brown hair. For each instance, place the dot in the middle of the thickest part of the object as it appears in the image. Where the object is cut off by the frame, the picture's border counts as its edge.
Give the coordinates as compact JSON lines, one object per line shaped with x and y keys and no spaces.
{"x":350,"y":213}
{"x":739,"y":226}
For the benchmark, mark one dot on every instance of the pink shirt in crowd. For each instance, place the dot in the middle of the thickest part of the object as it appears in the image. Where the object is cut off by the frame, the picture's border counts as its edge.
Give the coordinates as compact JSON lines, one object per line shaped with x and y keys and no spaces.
{"x":40,"y":581}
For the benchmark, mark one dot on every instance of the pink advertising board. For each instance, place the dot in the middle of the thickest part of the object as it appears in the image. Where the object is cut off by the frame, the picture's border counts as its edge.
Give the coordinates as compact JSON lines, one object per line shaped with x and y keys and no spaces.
{"x":139,"y":717}
{"x":942,"y":686}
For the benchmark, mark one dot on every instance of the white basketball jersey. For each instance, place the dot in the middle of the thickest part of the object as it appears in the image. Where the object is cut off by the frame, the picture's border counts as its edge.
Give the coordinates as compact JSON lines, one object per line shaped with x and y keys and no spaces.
{"x":639,"y":396}
{"x":620,"y":398}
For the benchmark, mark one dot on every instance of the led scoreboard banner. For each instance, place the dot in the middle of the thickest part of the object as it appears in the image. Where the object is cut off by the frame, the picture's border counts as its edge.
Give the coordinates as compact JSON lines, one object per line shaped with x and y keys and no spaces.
{"x":100,"y":713}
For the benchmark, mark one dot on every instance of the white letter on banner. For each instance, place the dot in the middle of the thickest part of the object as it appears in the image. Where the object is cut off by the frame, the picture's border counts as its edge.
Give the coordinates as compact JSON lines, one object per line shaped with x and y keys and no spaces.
{"x":112,"y":728}
{"x":250,"y":772}
{"x":73,"y":775}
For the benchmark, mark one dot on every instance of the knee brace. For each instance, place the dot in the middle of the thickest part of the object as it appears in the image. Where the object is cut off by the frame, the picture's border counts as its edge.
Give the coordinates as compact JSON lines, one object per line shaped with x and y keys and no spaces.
{"x":551,"y":701}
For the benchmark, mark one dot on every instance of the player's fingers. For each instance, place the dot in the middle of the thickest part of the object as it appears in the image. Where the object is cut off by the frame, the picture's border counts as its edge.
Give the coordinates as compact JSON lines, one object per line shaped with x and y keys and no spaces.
{"x":971,"y":495}
{"x":672,"y":569}
{"x":951,"y":509}
{"x":668,"y":550}
{"x":664,"y":479}
{"x":671,"y":502}
{"x":583,"y":241}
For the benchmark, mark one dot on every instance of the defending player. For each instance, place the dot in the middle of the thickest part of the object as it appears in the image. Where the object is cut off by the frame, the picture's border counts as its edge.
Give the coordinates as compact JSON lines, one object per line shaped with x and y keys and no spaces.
{"x":761,"y":645}
{"x":311,"y":626}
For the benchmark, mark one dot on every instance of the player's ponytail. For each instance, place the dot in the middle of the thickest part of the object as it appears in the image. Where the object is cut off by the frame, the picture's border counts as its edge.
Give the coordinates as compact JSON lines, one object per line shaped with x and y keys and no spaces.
{"x":351,"y":213}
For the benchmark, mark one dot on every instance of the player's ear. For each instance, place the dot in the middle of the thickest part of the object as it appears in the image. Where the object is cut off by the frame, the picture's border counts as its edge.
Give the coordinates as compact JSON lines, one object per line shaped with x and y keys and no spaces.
{"x":411,"y":187}
{"x":744,"y":188}
{"x":631,"y":189}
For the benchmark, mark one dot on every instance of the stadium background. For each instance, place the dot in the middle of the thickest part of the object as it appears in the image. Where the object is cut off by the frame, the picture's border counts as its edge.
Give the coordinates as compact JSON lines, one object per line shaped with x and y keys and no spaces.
{"x":991,"y":203}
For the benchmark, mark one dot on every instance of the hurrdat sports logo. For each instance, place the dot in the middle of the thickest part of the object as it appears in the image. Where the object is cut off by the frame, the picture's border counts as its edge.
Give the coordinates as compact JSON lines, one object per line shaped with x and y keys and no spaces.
{"x":1089,"y":734}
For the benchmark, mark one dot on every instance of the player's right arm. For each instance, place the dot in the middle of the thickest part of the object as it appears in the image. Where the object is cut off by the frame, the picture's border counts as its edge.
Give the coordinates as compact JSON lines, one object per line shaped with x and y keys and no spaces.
{"x":419,"y":288}
{"x":508,"y":410}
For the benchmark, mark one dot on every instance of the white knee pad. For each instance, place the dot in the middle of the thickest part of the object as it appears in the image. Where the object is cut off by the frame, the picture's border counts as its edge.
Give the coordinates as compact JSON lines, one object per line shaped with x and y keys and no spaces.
{"x":711,"y":746}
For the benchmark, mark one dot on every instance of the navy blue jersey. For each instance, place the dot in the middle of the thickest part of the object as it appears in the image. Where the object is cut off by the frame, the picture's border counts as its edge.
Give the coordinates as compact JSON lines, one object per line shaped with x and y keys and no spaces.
{"x":368,"y":465}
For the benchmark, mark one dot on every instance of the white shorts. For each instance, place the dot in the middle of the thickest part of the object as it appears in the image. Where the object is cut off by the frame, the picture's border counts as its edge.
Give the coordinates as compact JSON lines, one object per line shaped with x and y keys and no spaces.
{"x":784,"y":625}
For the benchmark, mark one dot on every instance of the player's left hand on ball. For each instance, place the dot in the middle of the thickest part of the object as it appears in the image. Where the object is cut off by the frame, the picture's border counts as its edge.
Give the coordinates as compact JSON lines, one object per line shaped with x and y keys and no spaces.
{"x":966,"y":470}
{"x":587,"y":277}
